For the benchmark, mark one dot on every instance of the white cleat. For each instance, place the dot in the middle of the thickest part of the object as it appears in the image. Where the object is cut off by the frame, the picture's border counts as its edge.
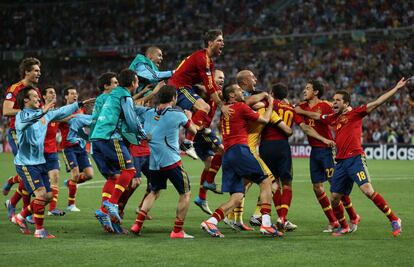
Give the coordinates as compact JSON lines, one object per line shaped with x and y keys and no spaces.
{"x":72,"y":208}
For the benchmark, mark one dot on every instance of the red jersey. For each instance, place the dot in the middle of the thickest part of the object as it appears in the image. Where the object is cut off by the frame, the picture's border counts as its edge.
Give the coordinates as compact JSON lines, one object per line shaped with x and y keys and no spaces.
{"x":50,"y":139}
{"x":195,"y":69}
{"x":235,"y":128}
{"x":140,"y":151}
{"x":287,"y":113}
{"x":64,"y":130}
{"x":11,"y":95}
{"x":321,"y":128}
{"x":348,"y":131}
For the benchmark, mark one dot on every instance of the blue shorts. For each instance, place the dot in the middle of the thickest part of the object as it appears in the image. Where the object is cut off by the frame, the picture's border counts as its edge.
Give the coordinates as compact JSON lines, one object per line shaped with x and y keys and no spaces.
{"x":321,"y":164}
{"x":34,"y":177}
{"x":111,"y":156}
{"x":141,"y":165}
{"x":76,"y":156}
{"x":239,"y":163}
{"x":186,"y":98}
{"x":205,"y":145}
{"x":52,"y":161}
{"x":348,"y":171}
{"x":12,"y":138}
{"x":177,"y":176}
{"x":278,"y":157}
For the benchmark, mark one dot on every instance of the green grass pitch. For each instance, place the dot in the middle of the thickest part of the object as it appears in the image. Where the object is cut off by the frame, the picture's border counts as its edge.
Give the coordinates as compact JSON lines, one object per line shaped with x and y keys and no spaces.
{"x":81,"y":242}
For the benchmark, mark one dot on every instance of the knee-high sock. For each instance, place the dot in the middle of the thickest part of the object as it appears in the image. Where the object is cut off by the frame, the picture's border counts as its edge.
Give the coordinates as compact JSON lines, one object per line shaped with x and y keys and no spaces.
{"x":202,"y":193}
{"x":326,"y":207}
{"x":214,"y":168}
{"x":121,"y":184}
{"x":55,"y":194}
{"x":72,"y":192}
{"x":200,"y":119}
{"x":285,"y":202}
{"x":380,"y":202}
{"x":38,"y":208}
{"x":339,"y":214}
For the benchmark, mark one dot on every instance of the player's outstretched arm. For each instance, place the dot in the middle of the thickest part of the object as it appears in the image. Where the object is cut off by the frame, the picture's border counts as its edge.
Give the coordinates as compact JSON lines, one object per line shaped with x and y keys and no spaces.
{"x":265,"y":118}
{"x":309,"y":114}
{"x":254,"y":99}
{"x":308,"y":130}
{"x":383,"y":98}
{"x":8,"y":109}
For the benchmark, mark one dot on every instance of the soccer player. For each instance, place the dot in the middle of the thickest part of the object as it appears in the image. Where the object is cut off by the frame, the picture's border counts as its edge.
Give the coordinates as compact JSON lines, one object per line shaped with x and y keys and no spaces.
{"x":275,"y":151}
{"x":351,"y":165}
{"x":76,"y":158}
{"x":117,"y":120}
{"x":31,"y":127}
{"x":198,"y":68}
{"x":209,"y":149}
{"x":235,"y":130}
{"x":147,"y":70}
{"x":29,"y":70}
{"x":163,"y":124}
{"x":51,"y":155}
{"x":321,"y":159}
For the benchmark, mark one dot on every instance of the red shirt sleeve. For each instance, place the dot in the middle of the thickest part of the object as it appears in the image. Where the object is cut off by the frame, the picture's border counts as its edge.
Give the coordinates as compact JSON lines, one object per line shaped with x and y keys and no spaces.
{"x":206,"y":71}
{"x":298,"y":119}
{"x":328,"y":119}
{"x":249,"y":113}
{"x":11,"y":94}
{"x":361,"y":110}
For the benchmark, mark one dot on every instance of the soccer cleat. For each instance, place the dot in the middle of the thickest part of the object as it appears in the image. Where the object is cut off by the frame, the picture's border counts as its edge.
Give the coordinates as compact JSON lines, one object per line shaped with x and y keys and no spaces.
{"x":396,"y":227}
{"x":180,"y":234}
{"x":118,"y":229}
{"x":255,"y":221}
{"x":7,"y":186}
{"x":212,"y":187}
{"x":280,"y":224}
{"x":289,"y":226}
{"x":10,"y":209}
{"x":42,"y":233}
{"x":238,"y":226}
{"x":353,"y":224}
{"x":72,"y":208}
{"x":21,"y":223}
{"x":112,"y":211}
{"x":270,"y":231}
{"x":341,"y":231}
{"x":203,"y":204}
{"x":211,"y":229}
{"x":104,"y":220}
{"x":331,"y":227}
{"x":30,"y":219}
{"x":187,"y":146}
{"x":56,"y":212}
{"x":136,"y":229}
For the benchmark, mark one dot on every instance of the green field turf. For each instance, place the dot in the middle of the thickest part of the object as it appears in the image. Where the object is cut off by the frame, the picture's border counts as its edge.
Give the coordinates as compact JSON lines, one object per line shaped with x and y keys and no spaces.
{"x":81,"y":242}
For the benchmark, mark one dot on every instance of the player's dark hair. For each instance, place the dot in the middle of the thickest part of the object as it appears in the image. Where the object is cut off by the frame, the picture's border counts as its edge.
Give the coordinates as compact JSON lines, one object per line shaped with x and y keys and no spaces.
{"x":345,"y":96}
{"x":228,"y":90}
{"x":45,"y":88}
{"x":67,"y":88}
{"x":211,"y":35}
{"x":166,"y":94}
{"x":317,"y":86}
{"x":279,"y":91}
{"x":105,"y":79}
{"x":27,"y":65}
{"x":126,"y":77}
{"x":22,"y":95}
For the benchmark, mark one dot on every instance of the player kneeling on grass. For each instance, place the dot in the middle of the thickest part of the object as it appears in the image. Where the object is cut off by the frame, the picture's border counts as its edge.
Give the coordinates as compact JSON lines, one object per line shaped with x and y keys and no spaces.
{"x":31,"y":126}
{"x":239,"y":162}
{"x":162,"y":125}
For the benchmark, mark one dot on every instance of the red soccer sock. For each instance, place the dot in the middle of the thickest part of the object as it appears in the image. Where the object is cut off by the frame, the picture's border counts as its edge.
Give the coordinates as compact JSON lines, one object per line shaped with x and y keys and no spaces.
{"x":121,"y":184}
{"x":55,"y":194}
{"x":25,"y":198}
{"x":72,"y":192}
{"x":13,"y":180}
{"x":339,"y":214}
{"x":326,"y":207}
{"x":83,"y":178}
{"x":200,"y":119}
{"x":202,"y":193}
{"x":178,"y":225}
{"x":285,"y":201}
{"x":107,"y":189}
{"x":140,"y":218}
{"x":218,"y":214}
{"x":266,"y":208}
{"x":123,"y":200}
{"x":214,"y":168}
{"x":26,"y":211}
{"x":277,"y":201}
{"x":380,"y":202}
{"x":346,"y":201}
{"x":16,"y":197}
{"x":38,"y":208}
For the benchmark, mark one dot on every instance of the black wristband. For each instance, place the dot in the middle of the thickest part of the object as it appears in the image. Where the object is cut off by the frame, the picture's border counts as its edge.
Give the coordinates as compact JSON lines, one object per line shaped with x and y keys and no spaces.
{"x":80,"y":104}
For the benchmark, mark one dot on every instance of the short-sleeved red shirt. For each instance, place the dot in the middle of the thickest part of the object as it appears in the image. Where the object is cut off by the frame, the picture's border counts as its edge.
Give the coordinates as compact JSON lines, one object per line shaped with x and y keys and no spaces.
{"x":321,"y":128}
{"x":287,"y":113}
{"x":348,"y":131}
{"x":235,"y":128}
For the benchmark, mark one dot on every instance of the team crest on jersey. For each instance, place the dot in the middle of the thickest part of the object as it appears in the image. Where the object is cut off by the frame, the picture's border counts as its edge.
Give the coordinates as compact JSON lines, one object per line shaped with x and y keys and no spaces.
{"x":157,"y":118}
{"x":343,"y":119}
{"x":9,"y":96}
{"x":43,"y":121}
